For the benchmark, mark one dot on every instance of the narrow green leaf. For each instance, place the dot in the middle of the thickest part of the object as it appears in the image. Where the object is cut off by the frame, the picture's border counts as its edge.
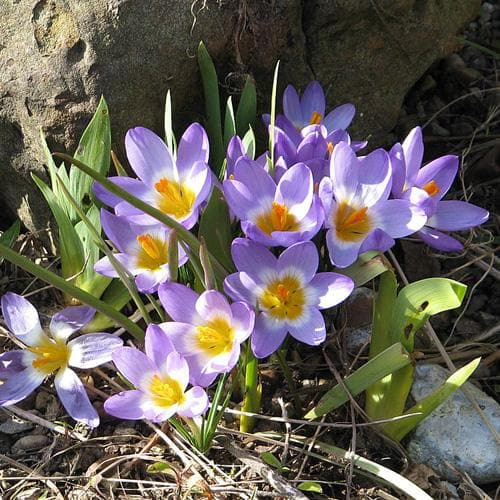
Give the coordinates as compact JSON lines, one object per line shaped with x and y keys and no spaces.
{"x":249,"y":143}
{"x":209,"y":280}
{"x":120,"y":169}
{"x":169,"y":132}
{"x":229,"y":123}
{"x":9,"y":236}
{"x":212,"y":107}
{"x":173,"y":255}
{"x":271,"y":460}
{"x":252,"y":392}
{"x":273,"y":117}
{"x":310,"y":486}
{"x":246,"y":113}
{"x":368,"y":266}
{"x":388,"y":361}
{"x":399,"y":429}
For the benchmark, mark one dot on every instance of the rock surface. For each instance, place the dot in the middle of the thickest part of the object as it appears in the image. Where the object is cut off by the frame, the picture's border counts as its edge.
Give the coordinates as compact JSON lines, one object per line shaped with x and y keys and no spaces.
{"x":57,"y":57}
{"x":455,"y":434}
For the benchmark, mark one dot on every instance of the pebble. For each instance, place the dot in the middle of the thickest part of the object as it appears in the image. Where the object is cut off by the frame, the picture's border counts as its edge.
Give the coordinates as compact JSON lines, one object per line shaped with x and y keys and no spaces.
{"x":359,"y":307}
{"x":32,"y":442}
{"x":15,"y":426}
{"x":356,"y":338}
{"x":454,"y":433}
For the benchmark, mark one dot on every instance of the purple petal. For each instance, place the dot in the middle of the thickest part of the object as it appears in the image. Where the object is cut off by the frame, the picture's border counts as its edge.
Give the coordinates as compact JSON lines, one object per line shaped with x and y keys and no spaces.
{"x":193,"y":147}
{"x":374,"y":178}
{"x":147,"y":281}
{"x":254,"y":259}
{"x":126,"y":404}
{"x":313,"y":100}
{"x":195,"y":404}
{"x":310,"y":329}
{"x":291,"y":130}
{"x":413,"y":148}
{"x":20,"y":385}
{"x":74,"y":398}
{"x":235,"y":150}
{"x":182,"y":337}
{"x":344,"y":172}
{"x":212,"y":303}
{"x":267,"y":336}
{"x":177,"y":368}
{"x":295,"y":190}
{"x":397,"y":218}
{"x":106,"y":268}
{"x":439,"y":241}
{"x":179,"y":301}
{"x":330,"y":289}
{"x":313,"y":146}
{"x":457,"y":215}
{"x":342,"y":254}
{"x":284,"y":146}
{"x":340,"y":117}
{"x":200,"y":372}
{"x":148,"y":155}
{"x":239,"y":286}
{"x":243,"y":321}
{"x":442,"y":171}
{"x":70,"y":320}
{"x":325,"y":193}
{"x":199,"y":180}
{"x":132,"y":364}
{"x":132,"y":186}
{"x":157,"y":345}
{"x":300,"y":258}
{"x":11,"y":362}
{"x":377,"y":240}
{"x":277,"y":238}
{"x":291,"y":106}
{"x":118,"y":230}
{"x":93,"y":349}
{"x":22,"y":319}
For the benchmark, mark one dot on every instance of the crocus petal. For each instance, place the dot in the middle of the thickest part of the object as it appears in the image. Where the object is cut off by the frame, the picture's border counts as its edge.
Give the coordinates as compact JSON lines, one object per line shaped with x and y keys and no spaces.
{"x":148,"y":155}
{"x":235,"y":150}
{"x":243,"y":320}
{"x":126,"y":404}
{"x":313,"y":146}
{"x":377,"y":240}
{"x":22,"y":319}
{"x":310,"y":329}
{"x":70,"y":320}
{"x":182,"y":337}
{"x":301,"y":258}
{"x":295,"y":190}
{"x":291,"y":106}
{"x":133,"y":186}
{"x":398,"y":168}
{"x":330,"y":289}
{"x":195,"y":404}
{"x":240,"y":286}
{"x":374,"y":179}
{"x":413,"y":148}
{"x":442,"y":171}
{"x":157,"y":345}
{"x":11,"y":362}
{"x":193,"y":147}
{"x":179,"y":301}
{"x":212,"y":303}
{"x":105,"y":267}
{"x":344,"y":172}
{"x":177,"y":368}
{"x":155,"y":413}
{"x":93,"y":349}
{"x":254,"y":259}
{"x":397,"y":218}
{"x":147,"y":281}
{"x":439,"y":241}
{"x":118,"y":230}
{"x":284,"y":147}
{"x":455,"y":215}
{"x":74,"y":398}
{"x":20,"y":385}
{"x":313,"y":100}
{"x":325,"y":193}
{"x":342,"y":254}
{"x":200,"y":372}
{"x":132,"y":364}
{"x":340,"y":117}
{"x":267,"y":336}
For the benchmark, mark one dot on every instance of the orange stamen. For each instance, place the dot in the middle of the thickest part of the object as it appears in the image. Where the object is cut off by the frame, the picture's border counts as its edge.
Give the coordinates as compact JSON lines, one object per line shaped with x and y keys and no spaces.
{"x":149,"y":245}
{"x":315,"y":118}
{"x":330,"y":148}
{"x":431,"y":188}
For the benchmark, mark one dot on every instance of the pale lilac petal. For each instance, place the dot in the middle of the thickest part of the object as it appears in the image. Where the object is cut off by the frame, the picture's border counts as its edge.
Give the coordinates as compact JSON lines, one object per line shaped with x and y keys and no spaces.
{"x":295,"y":190}
{"x":439,"y":241}
{"x":20,"y":385}
{"x":182,"y":337}
{"x":292,"y":130}
{"x":325,"y":193}
{"x":148,"y":155}
{"x":277,"y":238}
{"x":312,"y":146}
{"x":126,"y":404}
{"x":200,"y":372}
{"x":344,"y":172}
{"x":374,"y":178}
{"x":313,"y":100}
{"x":413,"y":148}
{"x":93,"y":349}
{"x":133,"y":186}
{"x":283,"y":146}
{"x":128,"y":262}
{"x":342,"y":254}
{"x":454,"y":215}
{"x":397,"y":218}
{"x":291,"y":106}
{"x":118,"y":230}
{"x":243,"y":320}
{"x":22,"y":319}
{"x":239,"y":198}
{"x":340,"y":117}
{"x":147,"y":281}
{"x":132,"y":364}
{"x":240,"y":286}
{"x":70,"y":320}
{"x":195,"y":404}
{"x":193,"y":147}
{"x":310,"y":329}
{"x":252,"y":258}
{"x":157,"y":345}
{"x":302,"y":258}
{"x":199,"y":180}
{"x":179,"y":302}
{"x":177,"y":368}
{"x":330,"y":289}
{"x":267,"y":336}
{"x":442,"y":171}
{"x":11,"y":362}
{"x":158,"y":414}
{"x":212,"y":303}
{"x":235,"y":150}
{"x":377,"y":240}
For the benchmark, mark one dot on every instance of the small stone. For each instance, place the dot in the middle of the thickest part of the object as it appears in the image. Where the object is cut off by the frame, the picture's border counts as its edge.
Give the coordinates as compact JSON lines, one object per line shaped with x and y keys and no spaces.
{"x":454,"y":433}
{"x":357,"y":338}
{"x":32,"y":442}
{"x":359,"y":307}
{"x":488,"y":7}
{"x":15,"y":426}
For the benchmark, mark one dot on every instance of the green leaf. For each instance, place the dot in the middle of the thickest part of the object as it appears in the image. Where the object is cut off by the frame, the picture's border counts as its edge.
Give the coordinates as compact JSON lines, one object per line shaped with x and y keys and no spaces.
{"x":169,"y":132}
{"x":9,"y":236}
{"x":311,"y":487}
{"x":249,"y":143}
{"x":392,"y":359}
{"x":157,"y":467}
{"x":273,"y":117}
{"x":212,"y":107}
{"x":94,"y":150}
{"x":252,"y":394}
{"x":369,"y":265}
{"x":271,"y":460}
{"x":399,"y":429}
{"x":247,"y":108}
{"x":229,"y":123}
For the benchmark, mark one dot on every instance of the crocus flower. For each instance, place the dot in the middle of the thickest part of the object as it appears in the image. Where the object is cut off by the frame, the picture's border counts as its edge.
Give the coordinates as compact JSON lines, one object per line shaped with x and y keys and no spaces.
{"x":358,"y":215}
{"x":206,"y":330}
{"x":286,"y":291}
{"x":426,"y":186}
{"x":274,"y":215}
{"x":235,"y":151}
{"x":176,"y":186}
{"x":161,"y":376}
{"x":143,"y":251}
{"x":48,"y":353}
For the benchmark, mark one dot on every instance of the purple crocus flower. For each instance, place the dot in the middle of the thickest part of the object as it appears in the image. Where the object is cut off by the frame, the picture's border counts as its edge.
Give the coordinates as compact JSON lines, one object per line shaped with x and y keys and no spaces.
{"x":176,"y":186}
{"x":143,"y":251}
{"x":235,"y":151}
{"x":206,"y":330}
{"x":274,"y":215}
{"x":50,"y":352}
{"x":286,"y":291}
{"x":426,"y":186}
{"x":161,"y":376}
{"x":358,"y":215}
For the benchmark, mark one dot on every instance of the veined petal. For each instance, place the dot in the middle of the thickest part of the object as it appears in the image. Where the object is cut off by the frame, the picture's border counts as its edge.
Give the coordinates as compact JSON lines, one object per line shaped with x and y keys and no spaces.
{"x":70,"y":320}
{"x":295,"y":190}
{"x":313,"y":146}
{"x":20,"y":385}
{"x":198,"y":180}
{"x":132,"y":364}
{"x":240,"y":286}
{"x":212,"y":303}
{"x":118,"y":230}
{"x":374,"y":178}
{"x":442,"y":172}
{"x":176,"y":368}
{"x":74,"y":398}
{"x":193,"y":147}
{"x":147,"y":281}
{"x":243,"y":320}
{"x":179,"y":302}
{"x":330,"y":289}
{"x":254,"y":259}
{"x":126,"y":404}
{"x":377,"y":240}
{"x":11,"y":362}
{"x":132,"y":186}
{"x":342,"y":253}
{"x":157,"y":344}
{"x":127,"y":261}
{"x":397,"y":218}
{"x":325,"y":194}
{"x":438,"y":240}
{"x":302,"y":257}
{"x":182,"y":336}
{"x":292,"y":107}
{"x":268,"y":335}
{"x":196,"y":403}
{"x":398,"y":168}
{"x":340,"y":117}
{"x":255,"y":178}
{"x":313,"y":101}
{"x":344,"y":172}
{"x":413,"y":148}
{"x":454,"y":215}
{"x":310,"y":328}
{"x":93,"y":349}
{"x":284,"y":147}
{"x":22,"y":319}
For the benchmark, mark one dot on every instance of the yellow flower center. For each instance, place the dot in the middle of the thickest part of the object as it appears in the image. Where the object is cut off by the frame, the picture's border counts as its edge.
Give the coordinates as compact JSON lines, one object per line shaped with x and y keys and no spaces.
{"x":351,"y":224}
{"x":431,"y":188}
{"x":166,"y":392}
{"x":153,"y":252}
{"x":283,"y":298}
{"x":277,"y":219}
{"x":330,"y":147}
{"x":216,"y":337}
{"x":51,"y":355}
{"x":175,"y":198}
{"x":315,"y":118}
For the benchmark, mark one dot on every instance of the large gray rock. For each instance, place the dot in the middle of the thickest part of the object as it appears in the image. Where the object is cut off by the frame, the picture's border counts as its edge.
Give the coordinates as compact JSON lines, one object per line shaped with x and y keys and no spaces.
{"x":454,"y":433}
{"x":58,"y":56}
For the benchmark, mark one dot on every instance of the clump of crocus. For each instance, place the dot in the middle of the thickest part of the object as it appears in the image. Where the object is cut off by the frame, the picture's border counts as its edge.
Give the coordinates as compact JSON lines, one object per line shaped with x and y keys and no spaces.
{"x":274,"y":215}
{"x":358,"y":214}
{"x":48,"y":353}
{"x":426,"y":186}
{"x":206,"y":330}
{"x":286,"y":291}
{"x":143,"y":251}
{"x":160,"y":376}
{"x":176,"y":186}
